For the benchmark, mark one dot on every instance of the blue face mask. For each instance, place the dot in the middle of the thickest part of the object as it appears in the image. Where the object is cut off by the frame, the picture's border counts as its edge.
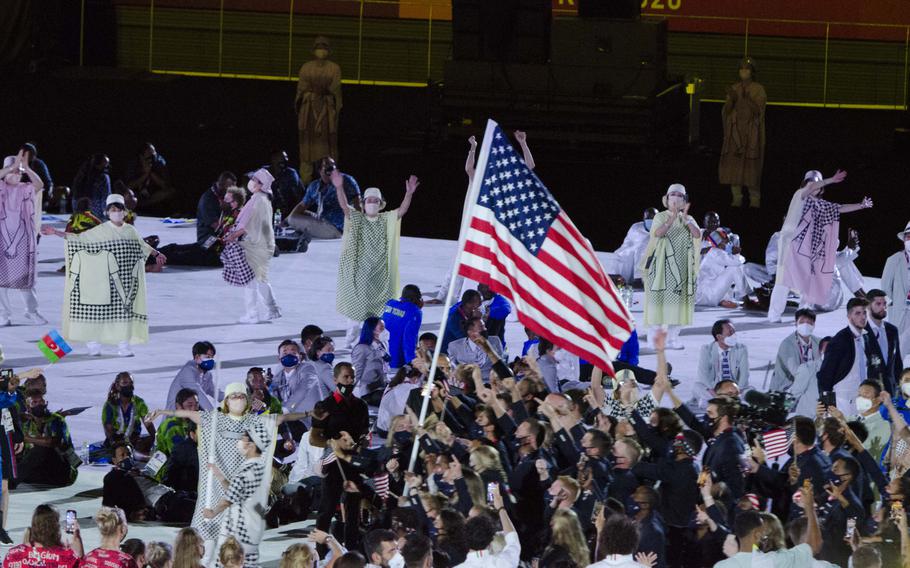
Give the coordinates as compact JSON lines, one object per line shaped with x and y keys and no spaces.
{"x":327,"y":358}
{"x":729,"y":248}
{"x":444,"y":487}
{"x":207,"y":364}
{"x":290,"y":360}
{"x":648,"y":223}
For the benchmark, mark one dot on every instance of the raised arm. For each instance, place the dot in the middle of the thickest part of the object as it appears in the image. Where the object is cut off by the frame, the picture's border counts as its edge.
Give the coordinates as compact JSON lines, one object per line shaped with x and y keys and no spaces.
{"x":522,"y":138}
{"x":812,"y":188}
{"x":597,"y":386}
{"x":193,"y":415}
{"x":410,"y":186}
{"x":866,"y":203}
{"x":470,"y":160}
{"x":338,"y":183}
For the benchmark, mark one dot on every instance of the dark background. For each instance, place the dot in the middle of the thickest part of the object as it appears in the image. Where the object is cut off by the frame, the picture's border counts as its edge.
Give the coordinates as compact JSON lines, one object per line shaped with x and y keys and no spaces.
{"x":203,"y":126}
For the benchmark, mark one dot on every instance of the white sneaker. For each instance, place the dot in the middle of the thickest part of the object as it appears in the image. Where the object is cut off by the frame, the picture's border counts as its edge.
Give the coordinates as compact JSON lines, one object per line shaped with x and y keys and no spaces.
{"x":35,"y":318}
{"x":249,"y":319}
{"x":274,"y":313}
{"x":94,"y":348}
{"x":123,"y":349}
{"x":5,"y":321}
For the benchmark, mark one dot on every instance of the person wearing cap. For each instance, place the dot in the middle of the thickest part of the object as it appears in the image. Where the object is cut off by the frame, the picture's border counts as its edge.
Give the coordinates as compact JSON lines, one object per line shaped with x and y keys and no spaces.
{"x":112,"y":252}
{"x":896,"y":284}
{"x":743,"y":151}
{"x":18,"y":236}
{"x":318,"y":104}
{"x":368,"y":267}
{"x":808,"y":244}
{"x":253,"y":229}
{"x":670,"y":266}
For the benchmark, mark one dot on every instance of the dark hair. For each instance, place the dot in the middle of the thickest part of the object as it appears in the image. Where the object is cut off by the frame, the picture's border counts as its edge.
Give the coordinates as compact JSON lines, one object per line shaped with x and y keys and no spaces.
{"x":83,"y":204}
{"x":726,"y":406}
{"x":578,"y":399}
{"x":866,"y":556}
{"x":133,"y":546}
{"x":877,"y":386}
{"x":669,"y":424}
{"x":859,"y":429}
{"x":227,"y":175}
{"x":45,"y":527}
{"x":407,"y":517}
{"x":619,"y":536}
{"x":30,"y":147}
{"x":470,"y":296}
{"x":479,"y":532}
{"x":203,"y":347}
{"x":343,"y":365}
{"x":428,"y":336}
{"x":875,"y":293}
{"x":804,"y":430}
{"x":651,"y":496}
{"x":601,"y":440}
{"x":718,"y":328}
{"x":805,"y":312}
{"x":723,"y":381}
{"x":851,"y":465}
{"x":454,"y":524}
{"x":410,"y":293}
{"x":854,"y":302}
{"x":288,"y":342}
{"x":543,"y":345}
{"x":537,"y":430}
{"x":468,"y":323}
{"x":694,"y":440}
{"x":823,"y":342}
{"x":351,"y":559}
{"x":184,"y":394}
{"x":831,"y":429}
{"x":746,"y":523}
{"x":796,"y":530}
{"x":317,"y":346}
{"x":309,"y":333}
{"x":372,"y":541}
{"x":367,"y":330}
{"x":416,"y":549}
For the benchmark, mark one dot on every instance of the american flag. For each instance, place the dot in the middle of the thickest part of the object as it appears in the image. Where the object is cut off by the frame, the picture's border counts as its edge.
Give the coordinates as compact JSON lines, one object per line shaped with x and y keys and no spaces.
{"x":776,"y":442}
{"x":521,"y":243}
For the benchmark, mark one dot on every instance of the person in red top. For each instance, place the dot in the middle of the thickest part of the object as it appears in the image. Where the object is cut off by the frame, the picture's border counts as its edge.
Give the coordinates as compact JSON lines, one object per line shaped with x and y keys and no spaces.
{"x":43,"y":547}
{"x":111,"y":522}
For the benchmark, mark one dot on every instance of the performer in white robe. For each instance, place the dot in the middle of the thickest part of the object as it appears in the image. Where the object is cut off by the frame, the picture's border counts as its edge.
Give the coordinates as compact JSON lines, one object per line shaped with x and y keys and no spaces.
{"x":626,"y":259}
{"x":896,"y":283}
{"x":721,"y":279}
{"x":759,"y":274}
{"x":19,"y":205}
{"x":111,"y":253}
{"x":257,"y":237}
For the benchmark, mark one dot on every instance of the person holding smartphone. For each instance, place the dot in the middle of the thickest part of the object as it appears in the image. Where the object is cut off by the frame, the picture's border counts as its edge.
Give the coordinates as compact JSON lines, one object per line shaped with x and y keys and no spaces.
{"x":43,"y":540}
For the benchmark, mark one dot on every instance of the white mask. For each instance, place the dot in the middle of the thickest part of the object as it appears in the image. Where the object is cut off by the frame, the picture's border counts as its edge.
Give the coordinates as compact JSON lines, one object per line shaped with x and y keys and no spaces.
{"x":252,"y":185}
{"x":905,"y":388}
{"x":384,"y":336}
{"x":731,"y":341}
{"x":863,"y":404}
{"x":907,"y":246}
{"x":805,"y":329}
{"x":675,"y":202}
{"x":236,"y":406}
{"x":371,"y":209}
{"x":115,"y":216}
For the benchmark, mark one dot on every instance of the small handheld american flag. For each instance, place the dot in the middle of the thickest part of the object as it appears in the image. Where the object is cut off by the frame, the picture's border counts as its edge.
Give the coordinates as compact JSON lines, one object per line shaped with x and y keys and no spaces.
{"x":776,"y":442}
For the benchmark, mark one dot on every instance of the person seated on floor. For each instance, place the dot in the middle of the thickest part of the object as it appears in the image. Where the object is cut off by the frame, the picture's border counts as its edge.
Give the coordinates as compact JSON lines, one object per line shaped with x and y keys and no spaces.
{"x":371,"y":358}
{"x":722,"y":359}
{"x":627,"y":257}
{"x":149,"y":177}
{"x":721,"y":278}
{"x":120,"y":488}
{"x":309,"y":334}
{"x":48,"y":457}
{"x":318,"y":215}
{"x":124,"y":414}
{"x":291,"y":378}
{"x":257,"y":383}
{"x":173,"y":429}
{"x":797,"y":349}
{"x":182,"y":467}
{"x":495,"y":309}
{"x":846,"y":275}
{"x":322,"y":356}
{"x":469,"y":350}
{"x":287,"y":189}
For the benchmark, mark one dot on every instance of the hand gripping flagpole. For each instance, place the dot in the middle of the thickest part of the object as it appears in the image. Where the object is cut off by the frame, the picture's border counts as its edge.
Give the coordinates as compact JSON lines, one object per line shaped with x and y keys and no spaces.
{"x":473,"y":191}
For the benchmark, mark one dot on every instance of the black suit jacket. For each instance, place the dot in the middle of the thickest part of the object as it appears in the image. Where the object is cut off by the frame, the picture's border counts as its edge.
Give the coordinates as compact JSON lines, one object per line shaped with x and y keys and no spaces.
{"x":889,"y":370}
{"x":839,"y":357}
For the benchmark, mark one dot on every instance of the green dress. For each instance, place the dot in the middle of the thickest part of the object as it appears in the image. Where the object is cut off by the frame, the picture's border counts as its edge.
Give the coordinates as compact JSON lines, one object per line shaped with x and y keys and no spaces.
{"x":368,"y":267}
{"x":670,"y":271}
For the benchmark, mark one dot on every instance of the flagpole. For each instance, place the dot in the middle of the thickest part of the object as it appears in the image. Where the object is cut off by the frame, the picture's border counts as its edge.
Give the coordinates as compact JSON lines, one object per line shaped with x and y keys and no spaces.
{"x":465,"y":219}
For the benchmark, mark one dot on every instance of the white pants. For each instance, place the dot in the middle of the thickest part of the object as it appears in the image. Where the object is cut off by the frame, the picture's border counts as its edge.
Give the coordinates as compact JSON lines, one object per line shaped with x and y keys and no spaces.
{"x":444,"y":288}
{"x":673,"y":332}
{"x":253,"y":292}
{"x":853,"y":278}
{"x":29,"y":297}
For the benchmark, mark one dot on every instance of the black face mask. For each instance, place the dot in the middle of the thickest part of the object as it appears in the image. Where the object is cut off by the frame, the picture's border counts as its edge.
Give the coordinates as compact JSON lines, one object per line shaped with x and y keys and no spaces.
{"x":346,"y":390}
{"x":39,"y":411}
{"x":126,"y":392}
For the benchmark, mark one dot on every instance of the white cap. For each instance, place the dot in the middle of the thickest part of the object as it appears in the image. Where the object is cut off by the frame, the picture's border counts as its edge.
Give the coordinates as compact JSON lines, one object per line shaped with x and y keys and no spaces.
{"x":813,"y":175}
{"x":114,"y":198}
{"x":264,"y":177}
{"x":902,"y":236}
{"x":234,"y":388}
{"x":374,"y":192}
{"x":676,"y":188}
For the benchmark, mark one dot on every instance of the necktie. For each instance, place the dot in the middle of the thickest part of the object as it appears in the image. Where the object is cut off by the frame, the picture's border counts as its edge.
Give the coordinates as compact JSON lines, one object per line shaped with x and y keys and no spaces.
{"x":863,"y":366}
{"x":882,"y":342}
{"x":725,"y":372}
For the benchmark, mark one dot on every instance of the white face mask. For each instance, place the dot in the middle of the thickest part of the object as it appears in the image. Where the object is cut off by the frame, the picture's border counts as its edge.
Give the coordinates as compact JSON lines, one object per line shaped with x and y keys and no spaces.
{"x":805,"y":329}
{"x":115,"y":216}
{"x":863,"y":404}
{"x":384,"y":336}
{"x":253,"y":185}
{"x":675,"y":202}
{"x":905,"y":388}
{"x":907,"y":246}
{"x":731,"y":341}
{"x":236,"y":406}
{"x":371,"y":209}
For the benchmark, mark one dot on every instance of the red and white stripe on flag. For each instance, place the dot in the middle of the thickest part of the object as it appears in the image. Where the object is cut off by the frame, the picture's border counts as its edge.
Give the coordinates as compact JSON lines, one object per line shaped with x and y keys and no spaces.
{"x":522,"y":244}
{"x":382,"y":484}
{"x":776,"y":442}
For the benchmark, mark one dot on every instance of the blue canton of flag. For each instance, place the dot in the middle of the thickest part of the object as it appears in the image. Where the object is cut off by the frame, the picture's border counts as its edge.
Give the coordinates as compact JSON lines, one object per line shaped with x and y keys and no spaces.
{"x":517,"y":197}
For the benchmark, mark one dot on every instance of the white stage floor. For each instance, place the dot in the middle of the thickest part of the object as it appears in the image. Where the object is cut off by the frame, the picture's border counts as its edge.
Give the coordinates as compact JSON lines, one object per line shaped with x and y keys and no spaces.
{"x":186,"y":305}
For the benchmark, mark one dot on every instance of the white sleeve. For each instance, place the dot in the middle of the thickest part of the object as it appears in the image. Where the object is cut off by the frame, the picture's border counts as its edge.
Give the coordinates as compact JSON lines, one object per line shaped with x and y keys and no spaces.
{"x":510,"y":555}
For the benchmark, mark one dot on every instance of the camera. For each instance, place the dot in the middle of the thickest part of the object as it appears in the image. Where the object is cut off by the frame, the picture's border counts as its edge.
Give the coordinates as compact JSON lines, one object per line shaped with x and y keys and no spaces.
{"x":328,"y":168}
{"x":765,"y":410}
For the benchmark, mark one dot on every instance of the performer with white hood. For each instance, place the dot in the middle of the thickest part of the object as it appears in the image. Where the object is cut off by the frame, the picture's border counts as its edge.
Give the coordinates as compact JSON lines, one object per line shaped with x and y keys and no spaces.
{"x":896,"y":283}
{"x":626,"y":259}
{"x":808,"y":244}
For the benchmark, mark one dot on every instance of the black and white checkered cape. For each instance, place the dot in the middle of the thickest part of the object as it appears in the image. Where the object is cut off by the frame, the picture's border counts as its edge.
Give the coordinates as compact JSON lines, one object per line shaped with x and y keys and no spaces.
{"x":131,"y":259}
{"x":237,"y":271}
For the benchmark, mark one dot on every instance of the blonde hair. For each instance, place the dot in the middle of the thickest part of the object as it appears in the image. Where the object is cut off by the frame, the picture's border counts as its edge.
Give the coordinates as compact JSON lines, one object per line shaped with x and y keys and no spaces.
{"x":393,"y":424}
{"x":186,"y":548}
{"x":476,"y":488}
{"x":109,"y":519}
{"x":231,"y":553}
{"x":158,"y":554}
{"x":567,"y":533}
{"x":238,"y":193}
{"x":773,"y":537}
{"x":570,"y":485}
{"x":487,"y":459}
{"x":298,"y":555}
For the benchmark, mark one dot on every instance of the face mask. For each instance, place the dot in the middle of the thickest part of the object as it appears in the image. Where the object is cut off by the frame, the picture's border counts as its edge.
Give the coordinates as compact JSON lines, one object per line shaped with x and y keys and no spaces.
{"x":675,"y":202}
{"x":115,"y":216}
{"x":708,"y":422}
{"x":907,"y":246}
{"x":39,"y":411}
{"x":443,"y":486}
{"x":126,"y":392}
{"x":290,"y":360}
{"x":905,"y":388}
{"x":207,"y":364}
{"x":384,"y":336}
{"x":126,"y":464}
{"x":252,"y":186}
{"x":648,"y":223}
{"x":805,"y":329}
{"x":327,"y":358}
{"x":371,"y":209}
{"x":402,"y":438}
{"x":863,"y":404}
{"x":345,"y":390}
{"x":731,"y":341}
{"x":236,"y":406}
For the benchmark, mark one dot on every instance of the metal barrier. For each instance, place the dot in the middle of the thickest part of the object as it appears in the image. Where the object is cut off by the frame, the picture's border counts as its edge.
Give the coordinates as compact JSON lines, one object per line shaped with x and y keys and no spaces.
{"x":821,"y":70}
